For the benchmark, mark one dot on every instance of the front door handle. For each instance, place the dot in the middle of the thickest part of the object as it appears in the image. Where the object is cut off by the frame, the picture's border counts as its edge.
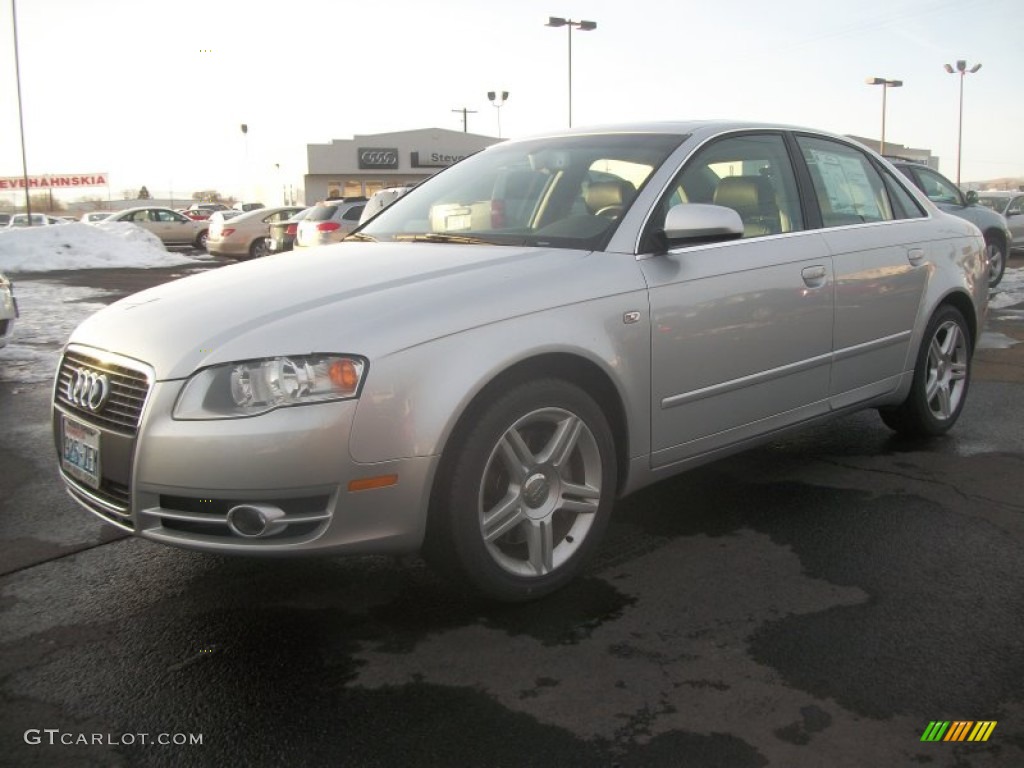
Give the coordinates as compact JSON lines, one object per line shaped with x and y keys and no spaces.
{"x":814,"y":277}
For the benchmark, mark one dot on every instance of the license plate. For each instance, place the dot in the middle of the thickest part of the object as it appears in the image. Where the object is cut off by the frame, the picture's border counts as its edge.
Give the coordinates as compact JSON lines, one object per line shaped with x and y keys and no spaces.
{"x":80,"y":453}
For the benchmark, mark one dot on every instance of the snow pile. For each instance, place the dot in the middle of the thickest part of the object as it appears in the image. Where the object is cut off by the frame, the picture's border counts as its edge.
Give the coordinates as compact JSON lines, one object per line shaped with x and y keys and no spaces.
{"x":84,"y":246}
{"x":1010,"y":290}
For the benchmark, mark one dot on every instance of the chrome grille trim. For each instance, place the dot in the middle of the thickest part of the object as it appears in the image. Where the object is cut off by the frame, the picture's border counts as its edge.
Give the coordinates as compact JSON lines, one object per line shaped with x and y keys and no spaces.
{"x":130,"y":383}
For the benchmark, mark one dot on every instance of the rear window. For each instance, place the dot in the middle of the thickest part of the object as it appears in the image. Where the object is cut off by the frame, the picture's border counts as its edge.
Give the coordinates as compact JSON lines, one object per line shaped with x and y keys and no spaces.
{"x":322,"y":213}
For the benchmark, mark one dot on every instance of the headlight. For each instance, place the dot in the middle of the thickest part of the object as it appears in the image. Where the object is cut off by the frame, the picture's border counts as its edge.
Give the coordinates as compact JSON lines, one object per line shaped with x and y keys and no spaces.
{"x":252,"y":387}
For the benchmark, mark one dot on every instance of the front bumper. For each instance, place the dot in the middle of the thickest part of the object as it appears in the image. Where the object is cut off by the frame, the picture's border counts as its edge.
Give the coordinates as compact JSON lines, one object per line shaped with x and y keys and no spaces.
{"x":175,"y":481}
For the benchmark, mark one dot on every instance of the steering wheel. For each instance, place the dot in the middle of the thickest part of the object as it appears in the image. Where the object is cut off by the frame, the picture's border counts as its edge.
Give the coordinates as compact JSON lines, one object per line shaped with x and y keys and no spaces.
{"x":610,"y":211}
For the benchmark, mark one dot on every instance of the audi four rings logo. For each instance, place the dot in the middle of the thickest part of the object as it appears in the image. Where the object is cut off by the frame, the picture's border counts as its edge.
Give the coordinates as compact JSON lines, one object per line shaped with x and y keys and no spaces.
{"x":88,"y":389}
{"x":378,"y":158}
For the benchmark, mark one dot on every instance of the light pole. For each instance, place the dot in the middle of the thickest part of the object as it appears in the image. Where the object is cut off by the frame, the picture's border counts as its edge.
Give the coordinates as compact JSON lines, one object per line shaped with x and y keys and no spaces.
{"x":498,"y":99}
{"x":21,"y":118}
{"x":583,"y":26}
{"x":961,"y":67}
{"x":886,"y":85}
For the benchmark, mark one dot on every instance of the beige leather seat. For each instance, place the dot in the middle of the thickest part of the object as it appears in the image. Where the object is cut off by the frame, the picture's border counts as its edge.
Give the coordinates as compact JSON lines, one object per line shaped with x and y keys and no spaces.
{"x":753,"y":198}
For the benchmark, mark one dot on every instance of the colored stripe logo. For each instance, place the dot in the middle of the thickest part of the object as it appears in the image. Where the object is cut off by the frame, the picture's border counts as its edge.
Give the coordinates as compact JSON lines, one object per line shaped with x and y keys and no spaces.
{"x":959,"y":730}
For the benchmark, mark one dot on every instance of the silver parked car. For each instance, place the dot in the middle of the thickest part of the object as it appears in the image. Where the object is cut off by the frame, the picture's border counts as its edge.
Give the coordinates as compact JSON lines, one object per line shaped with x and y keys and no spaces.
{"x":1011,"y":206}
{"x":171,"y":227}
{"x":482,"y":369}
{"x":8,"y":310}
{"x":947,"y":196}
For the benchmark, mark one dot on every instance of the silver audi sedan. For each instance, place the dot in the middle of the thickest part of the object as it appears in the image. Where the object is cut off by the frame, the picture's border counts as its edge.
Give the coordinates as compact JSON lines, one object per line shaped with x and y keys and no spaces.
{"x":481,"y":370}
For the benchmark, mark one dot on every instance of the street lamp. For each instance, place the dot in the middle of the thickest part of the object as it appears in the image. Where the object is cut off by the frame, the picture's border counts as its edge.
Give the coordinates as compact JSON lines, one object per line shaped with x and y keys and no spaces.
{"x":961,"y":67}
{"x":21,"y":118}
{"x":886,"y":85}
{"x":498,"y":99}
{"x":583,"y":26}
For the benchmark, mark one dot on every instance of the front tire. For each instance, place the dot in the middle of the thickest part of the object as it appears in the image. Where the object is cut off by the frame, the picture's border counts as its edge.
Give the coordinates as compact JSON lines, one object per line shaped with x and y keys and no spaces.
{"x":525,"y":495}
{"x":201,"y":240}
{"x":942,"y":375}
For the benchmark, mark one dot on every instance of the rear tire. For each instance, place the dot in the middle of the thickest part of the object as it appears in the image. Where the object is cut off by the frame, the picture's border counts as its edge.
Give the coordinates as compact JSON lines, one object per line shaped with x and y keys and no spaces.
{"x":259,"y":248}
{"x":201,"y":240}
{"x":525,"y":495}
{"x":942,"y":375}
{"x":996,"y":253}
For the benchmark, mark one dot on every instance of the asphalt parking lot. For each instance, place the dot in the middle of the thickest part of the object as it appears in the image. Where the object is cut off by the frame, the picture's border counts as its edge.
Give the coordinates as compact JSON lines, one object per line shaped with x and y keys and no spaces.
{"x":815,"y":602}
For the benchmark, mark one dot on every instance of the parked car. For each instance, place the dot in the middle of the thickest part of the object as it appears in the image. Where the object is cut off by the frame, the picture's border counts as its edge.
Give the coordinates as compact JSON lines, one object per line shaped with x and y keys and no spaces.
{"x":5,"y":219}
{"x":1011,"y":206}
{"x":245,"y":236}
{"x":8,"y":310}
{"x":246,"y":207}
{"x":329,"y":222}
{"x":380,"y":200}
{"x":947,"y":196}
{"x":282,"y":233}
{"x":91,"y":217}
{"x":38,"y":220}
{"x":171,"y":227}
{"x":482,"y":387}
{"x":202,"y":211}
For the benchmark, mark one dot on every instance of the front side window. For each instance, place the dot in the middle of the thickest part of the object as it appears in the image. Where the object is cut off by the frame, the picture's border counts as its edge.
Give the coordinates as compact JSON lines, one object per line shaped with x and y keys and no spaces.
{"x":750,"y":173}
{"x":566,"y":192}
{"x":848,"y":187}
{"x":938,"y":188}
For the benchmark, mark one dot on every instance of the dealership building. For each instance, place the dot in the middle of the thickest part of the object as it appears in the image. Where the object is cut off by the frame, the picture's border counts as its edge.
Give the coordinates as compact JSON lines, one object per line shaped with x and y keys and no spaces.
{"x":364,"y":164}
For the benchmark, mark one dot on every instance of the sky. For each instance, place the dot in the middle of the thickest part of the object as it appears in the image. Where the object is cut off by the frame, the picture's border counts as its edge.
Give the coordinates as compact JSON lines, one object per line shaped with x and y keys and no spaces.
{"x":154,"y":92}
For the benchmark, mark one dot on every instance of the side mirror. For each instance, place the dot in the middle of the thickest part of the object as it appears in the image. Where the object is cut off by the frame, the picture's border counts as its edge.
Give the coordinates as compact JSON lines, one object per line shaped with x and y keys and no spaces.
{"x":971,"y":197}
{"x":693,"y":223}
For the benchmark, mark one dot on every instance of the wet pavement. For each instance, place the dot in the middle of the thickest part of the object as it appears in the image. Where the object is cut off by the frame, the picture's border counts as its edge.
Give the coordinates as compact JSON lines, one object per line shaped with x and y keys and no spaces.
{"x":815,"y":602}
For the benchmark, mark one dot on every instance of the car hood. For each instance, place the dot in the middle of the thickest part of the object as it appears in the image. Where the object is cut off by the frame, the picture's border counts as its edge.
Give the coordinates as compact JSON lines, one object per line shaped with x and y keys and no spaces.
{"x":368,"y":299}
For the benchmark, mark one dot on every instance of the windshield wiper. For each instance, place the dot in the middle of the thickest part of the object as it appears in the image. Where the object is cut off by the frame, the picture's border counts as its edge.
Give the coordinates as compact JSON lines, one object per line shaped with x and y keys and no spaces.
{"x":438,"y":237}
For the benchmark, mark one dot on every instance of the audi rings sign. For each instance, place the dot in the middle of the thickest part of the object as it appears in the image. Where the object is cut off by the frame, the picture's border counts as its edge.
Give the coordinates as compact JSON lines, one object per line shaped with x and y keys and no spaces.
{"x":378,"y":157}
{"x":88,"y":389}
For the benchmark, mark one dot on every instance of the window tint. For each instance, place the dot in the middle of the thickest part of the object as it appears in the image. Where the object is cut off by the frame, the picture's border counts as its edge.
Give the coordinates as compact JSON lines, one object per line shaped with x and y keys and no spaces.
{"x":848,"y":187}
{"x":751,"y":174}
{"x":352,"y":214}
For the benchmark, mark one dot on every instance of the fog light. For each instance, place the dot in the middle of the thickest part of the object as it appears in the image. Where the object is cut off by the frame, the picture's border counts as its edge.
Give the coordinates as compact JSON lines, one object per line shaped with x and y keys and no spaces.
{"x":255,"y":520}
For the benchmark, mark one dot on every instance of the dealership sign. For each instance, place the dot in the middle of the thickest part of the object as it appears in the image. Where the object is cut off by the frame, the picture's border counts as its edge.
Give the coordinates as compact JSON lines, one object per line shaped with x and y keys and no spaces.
{"x":376,"y":157}
{"x":54,"y":181}
{"x":434,"y":159}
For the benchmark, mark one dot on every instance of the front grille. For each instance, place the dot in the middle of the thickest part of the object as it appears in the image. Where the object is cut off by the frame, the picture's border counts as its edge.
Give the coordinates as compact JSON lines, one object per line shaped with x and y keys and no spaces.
{"x":128,"y":390}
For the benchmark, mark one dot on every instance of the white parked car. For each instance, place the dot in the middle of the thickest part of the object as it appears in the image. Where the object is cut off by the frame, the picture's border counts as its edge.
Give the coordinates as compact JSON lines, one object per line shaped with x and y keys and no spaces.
{"x":329,"y":222}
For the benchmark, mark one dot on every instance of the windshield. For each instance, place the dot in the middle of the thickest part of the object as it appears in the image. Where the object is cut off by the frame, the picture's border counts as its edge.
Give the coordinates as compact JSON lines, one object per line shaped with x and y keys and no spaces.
{"x":564,"y":192}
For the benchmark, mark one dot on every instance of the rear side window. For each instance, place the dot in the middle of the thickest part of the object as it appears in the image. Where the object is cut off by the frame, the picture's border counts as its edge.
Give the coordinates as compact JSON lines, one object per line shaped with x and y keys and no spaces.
{"x":903,"y":203}
{"x":848,"y":187}
{"x":352,"y":214}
